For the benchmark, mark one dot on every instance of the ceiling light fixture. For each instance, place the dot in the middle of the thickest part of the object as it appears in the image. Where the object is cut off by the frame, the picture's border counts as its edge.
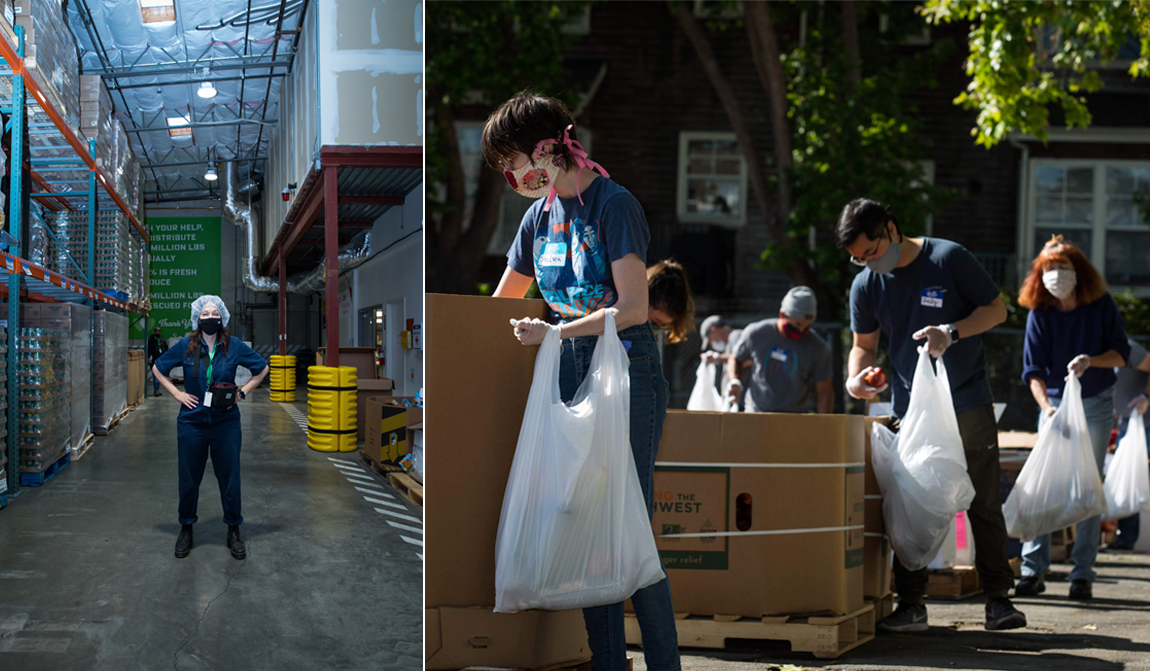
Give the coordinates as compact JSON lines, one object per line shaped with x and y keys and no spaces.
{"x":211,"y":175}
{"x":207,"y":90}
{"x":158,"y":11}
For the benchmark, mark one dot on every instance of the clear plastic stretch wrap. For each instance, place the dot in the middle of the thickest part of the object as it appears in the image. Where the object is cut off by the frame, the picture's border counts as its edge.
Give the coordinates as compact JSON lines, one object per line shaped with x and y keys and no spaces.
{"x":112,"y":253}
{"x":41,"y":248}
{"x":97,"y":117}
{"x":51,"y":54}
{"x":81,"y":424}
{"x":3,"y":395}
{"x":110,"y":369}
{"x":45,"y":396}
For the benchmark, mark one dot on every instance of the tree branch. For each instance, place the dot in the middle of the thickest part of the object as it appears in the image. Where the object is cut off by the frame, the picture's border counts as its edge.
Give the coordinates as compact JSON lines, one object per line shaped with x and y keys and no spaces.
{"x":851,"y":45}
{"x":739,"y":124}
{"x":765,"y":50}
{"x":451,"y":225}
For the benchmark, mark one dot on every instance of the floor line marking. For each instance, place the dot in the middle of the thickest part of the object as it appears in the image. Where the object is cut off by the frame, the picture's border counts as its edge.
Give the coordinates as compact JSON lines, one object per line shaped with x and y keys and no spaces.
{"x":412,"y":541}
{"x":402,"y":517}
{"x":397,"y":525}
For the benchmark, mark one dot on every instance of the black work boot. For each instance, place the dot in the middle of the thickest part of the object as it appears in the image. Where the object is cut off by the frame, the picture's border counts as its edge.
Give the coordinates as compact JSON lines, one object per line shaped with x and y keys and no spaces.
{"x":184,"y":542}
{"x":1030,"y":585}
{"x":236,"y":543}
{"x":1080,"y":590}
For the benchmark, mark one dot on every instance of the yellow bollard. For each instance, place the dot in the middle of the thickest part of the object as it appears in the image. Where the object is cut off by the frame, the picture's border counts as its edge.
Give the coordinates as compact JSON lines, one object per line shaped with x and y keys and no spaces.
{"x":331,"y":408}
{"x":282,"y":378}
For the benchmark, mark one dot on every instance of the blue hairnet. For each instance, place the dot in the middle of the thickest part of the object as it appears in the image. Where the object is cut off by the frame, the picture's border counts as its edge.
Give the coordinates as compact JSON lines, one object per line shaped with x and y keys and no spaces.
{"x":204,"y":301}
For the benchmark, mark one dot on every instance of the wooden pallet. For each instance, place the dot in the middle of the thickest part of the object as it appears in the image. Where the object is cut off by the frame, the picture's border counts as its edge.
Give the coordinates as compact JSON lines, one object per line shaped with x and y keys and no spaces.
{"x":883,"y":606}
{"x":39,"y":479}
{"x":825,"y":637}
{"x":408,"y":487}
{"x":954,"y":584}
{"x":85,"y":445}
{"x":568,"y":666}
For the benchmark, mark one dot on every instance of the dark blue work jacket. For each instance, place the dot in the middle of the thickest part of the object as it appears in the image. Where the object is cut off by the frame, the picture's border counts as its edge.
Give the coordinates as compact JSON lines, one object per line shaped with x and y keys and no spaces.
{"x":223,"y":370}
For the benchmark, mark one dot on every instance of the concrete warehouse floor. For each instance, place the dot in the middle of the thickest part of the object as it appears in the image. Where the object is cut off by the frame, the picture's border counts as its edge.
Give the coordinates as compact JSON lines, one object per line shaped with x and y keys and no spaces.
{"x":1110,"y":633}
{"x":88,"y":579}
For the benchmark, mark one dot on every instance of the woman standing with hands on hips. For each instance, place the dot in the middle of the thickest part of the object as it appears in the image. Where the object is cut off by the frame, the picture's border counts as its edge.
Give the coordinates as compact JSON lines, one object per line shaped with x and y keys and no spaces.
{"x":585,"y":242}
{"x":209,"y":421}
{"x":1073,"y":329}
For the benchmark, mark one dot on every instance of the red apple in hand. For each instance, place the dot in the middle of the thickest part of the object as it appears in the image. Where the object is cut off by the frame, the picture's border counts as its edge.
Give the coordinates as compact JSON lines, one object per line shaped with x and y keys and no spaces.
{"x":876,"y":378}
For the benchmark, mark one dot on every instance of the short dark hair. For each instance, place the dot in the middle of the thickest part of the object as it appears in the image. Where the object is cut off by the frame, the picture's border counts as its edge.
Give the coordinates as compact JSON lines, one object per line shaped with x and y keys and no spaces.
{"x":862,"y":216}
{"x":520,"y":123}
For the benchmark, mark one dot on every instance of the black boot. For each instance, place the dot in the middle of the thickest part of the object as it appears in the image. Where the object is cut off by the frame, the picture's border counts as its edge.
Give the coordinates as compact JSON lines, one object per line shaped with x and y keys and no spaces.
{"x":236,"y":543}
{"x":184,"y":542}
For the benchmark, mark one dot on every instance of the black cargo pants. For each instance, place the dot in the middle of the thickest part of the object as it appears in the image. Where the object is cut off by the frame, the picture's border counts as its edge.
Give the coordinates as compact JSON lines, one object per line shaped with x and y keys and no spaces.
{"x":979,"y":433}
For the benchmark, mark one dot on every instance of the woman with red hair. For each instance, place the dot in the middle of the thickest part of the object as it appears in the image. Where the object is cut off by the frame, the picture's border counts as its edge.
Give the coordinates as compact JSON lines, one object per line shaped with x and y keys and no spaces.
{"x":1073,"y":329}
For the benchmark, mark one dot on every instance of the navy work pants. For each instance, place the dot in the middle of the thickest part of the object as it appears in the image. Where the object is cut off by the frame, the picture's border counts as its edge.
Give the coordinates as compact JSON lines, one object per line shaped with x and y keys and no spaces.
{"x":220,"y":438}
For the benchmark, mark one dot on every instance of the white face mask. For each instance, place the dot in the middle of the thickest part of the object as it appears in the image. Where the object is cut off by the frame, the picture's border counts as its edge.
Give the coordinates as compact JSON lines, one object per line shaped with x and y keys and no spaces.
{"x":719,"y":346}
{"x":1060,"y":282}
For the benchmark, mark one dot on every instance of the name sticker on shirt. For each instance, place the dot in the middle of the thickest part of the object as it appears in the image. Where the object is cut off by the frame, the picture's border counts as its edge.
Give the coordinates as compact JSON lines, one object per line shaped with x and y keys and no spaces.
{"x":779,"y":355}
{"x":207,"y":399}
{"x":554,"y":255}
{"x":932,"y":298}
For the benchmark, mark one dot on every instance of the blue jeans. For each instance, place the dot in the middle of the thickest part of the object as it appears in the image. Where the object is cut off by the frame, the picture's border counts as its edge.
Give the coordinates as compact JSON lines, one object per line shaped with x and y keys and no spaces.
{"x":222,"y":440}
{"x":1128,"y":527}
{"x":653,"y":607}
{"x":1088,"y":533}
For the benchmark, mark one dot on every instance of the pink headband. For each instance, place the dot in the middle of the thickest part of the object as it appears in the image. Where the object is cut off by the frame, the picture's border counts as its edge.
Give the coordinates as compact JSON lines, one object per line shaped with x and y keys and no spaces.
{"x":581,"y":160}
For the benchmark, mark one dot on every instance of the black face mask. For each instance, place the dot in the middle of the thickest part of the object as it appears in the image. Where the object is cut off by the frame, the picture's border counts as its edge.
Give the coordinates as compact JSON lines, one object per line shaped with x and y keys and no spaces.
{"x":211,"y":326}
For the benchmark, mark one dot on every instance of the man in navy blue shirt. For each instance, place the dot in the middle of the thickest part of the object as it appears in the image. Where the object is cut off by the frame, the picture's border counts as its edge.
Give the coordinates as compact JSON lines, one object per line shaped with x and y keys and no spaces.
{"x":932,"y":292}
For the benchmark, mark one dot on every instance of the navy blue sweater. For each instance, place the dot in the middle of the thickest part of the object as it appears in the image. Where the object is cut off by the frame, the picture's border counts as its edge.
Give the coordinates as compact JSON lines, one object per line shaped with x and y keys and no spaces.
{"x":1054,"y":338}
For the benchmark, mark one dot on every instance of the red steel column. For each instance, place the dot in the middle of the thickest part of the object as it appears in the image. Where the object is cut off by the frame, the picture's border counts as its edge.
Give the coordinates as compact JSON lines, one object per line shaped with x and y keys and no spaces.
{"x":331,"y":260}
{"x":283,"y":306}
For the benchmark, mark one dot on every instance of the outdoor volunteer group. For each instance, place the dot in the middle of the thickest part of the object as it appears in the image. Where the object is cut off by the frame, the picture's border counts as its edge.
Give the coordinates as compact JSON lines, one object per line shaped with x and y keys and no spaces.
{"x":569,"y":536}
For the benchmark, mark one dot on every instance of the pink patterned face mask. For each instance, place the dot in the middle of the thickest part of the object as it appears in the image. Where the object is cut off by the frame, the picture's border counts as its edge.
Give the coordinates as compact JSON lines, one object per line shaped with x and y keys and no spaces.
{"x":537,"y":177}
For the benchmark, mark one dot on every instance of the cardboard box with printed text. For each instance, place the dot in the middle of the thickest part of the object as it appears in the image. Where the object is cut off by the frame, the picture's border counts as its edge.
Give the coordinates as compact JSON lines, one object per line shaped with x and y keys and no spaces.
{"x":476,"y":398}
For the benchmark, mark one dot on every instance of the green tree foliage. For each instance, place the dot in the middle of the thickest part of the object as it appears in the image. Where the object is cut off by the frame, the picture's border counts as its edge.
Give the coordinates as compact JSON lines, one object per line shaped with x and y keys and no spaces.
{"x":479,"y":54}
{"x":849,"y":143}
{"x":1026,"y":57}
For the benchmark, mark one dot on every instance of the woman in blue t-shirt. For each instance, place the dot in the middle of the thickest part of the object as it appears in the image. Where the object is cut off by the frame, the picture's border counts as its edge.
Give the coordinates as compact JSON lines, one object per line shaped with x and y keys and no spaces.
{"x":1073,"y":329}
{"x":585,"y":242}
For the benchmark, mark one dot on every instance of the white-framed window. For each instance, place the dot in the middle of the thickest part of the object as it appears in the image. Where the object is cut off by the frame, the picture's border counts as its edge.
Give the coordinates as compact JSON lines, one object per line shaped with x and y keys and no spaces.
{"x":580,"y":24}
{"x":512,"y":206}
{"x":1093,"y":203}
{"x":712,"y":179}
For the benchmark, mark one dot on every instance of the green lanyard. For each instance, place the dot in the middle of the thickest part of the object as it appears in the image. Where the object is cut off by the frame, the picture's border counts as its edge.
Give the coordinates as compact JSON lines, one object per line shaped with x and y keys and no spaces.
{"x":211,"y":356}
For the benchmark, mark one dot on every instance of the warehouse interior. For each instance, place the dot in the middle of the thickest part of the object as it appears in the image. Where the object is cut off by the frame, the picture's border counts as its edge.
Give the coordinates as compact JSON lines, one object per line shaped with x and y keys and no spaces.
{"x":269,"y":153}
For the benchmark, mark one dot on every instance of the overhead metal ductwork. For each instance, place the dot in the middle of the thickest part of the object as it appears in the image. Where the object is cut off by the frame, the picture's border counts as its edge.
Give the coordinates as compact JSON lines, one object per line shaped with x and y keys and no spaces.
{"x":239,"y":213}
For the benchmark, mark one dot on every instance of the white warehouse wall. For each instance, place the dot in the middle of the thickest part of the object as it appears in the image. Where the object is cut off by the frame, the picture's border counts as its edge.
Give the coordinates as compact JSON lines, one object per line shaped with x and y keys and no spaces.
{"x":394,"y":274}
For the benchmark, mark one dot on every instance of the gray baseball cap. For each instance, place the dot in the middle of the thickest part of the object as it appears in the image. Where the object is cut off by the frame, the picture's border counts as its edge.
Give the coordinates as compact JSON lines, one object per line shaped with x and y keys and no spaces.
{"x":709,"y":323}
{"x":800,"y":303}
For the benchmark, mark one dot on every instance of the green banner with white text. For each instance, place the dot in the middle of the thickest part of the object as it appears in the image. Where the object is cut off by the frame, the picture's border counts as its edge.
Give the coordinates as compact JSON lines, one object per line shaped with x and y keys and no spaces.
{"x":185,"y":265}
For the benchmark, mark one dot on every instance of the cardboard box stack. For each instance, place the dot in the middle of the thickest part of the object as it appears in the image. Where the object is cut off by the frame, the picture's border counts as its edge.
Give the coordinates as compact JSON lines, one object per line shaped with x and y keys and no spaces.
{"x":135,"y":377}
{"x":755,"y":481}
{"x":391,"y":429}
{"x":876,"y":545}
{"x":112,"y":247}
{"x":45,"y":396}
{"x":51,"y":55}
{"x":366,"y":390}
{"x":473,"y":419}
{"x":97,"y":116}
{"x":110,"y":369}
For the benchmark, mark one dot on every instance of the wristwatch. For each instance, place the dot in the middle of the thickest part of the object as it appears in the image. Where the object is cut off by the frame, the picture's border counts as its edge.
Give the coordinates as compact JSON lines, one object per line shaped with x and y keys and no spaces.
{"x":242,"y":394}
{"x":952,"y":331}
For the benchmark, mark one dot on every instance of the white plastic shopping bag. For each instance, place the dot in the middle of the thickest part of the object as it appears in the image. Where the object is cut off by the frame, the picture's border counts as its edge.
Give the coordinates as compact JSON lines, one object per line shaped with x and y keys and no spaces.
{"x":574,"y":530}
{"x":1128,"y":476}
{"x":1059,"y":486}
{"x":921,"y":470}
{"x":705,"y":397}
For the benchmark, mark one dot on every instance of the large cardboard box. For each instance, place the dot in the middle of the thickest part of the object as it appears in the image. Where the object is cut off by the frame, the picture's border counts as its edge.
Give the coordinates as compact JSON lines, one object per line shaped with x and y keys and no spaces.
{"x":472,"y":419}
{"x":363,"y":359}
{"x":783,"y":496}
{"x":388,"y":428}
{"x":877,"y":560}
{"x":368,"y":389}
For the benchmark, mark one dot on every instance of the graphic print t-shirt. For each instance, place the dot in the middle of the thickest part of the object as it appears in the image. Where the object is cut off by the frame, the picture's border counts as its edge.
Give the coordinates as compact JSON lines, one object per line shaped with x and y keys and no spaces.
{"x":569,"y":250}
